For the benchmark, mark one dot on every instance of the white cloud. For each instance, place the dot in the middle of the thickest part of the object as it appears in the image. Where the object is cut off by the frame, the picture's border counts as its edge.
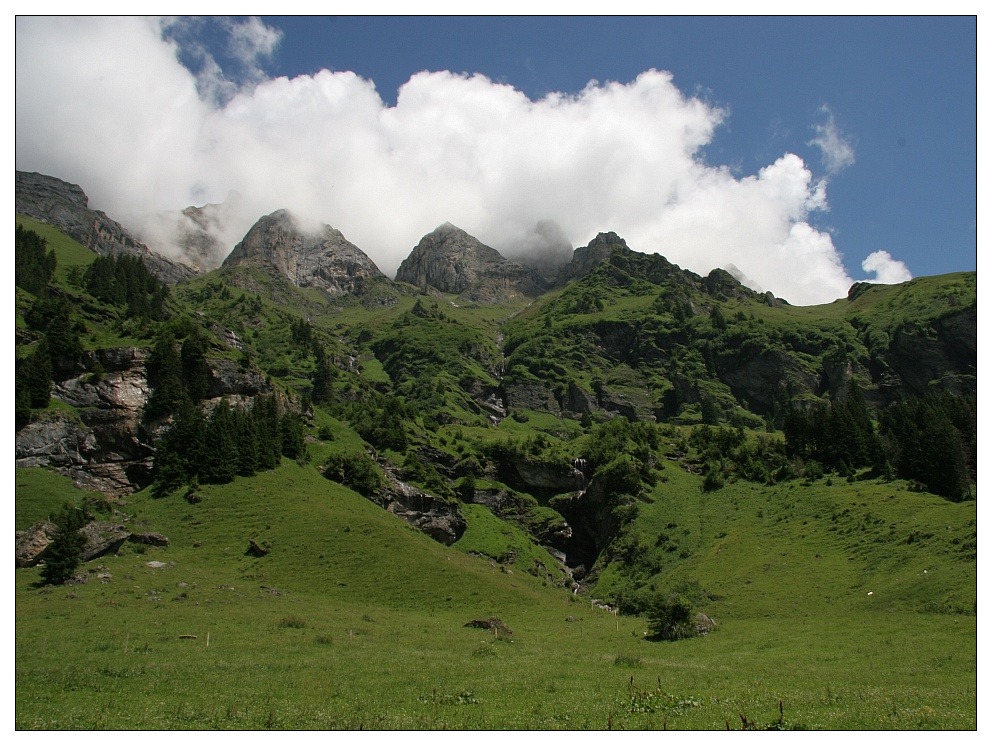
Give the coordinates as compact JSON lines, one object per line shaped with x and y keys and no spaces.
{"x":837,"y":152}
{"x":887,"y":271}
{"x":106,"y":103}
{"x":251,"y":40}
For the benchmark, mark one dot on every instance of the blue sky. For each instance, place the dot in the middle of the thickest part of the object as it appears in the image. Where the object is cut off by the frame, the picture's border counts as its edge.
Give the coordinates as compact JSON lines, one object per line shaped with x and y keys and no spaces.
{"x":903,"y":90}
{"x":780,"y":146}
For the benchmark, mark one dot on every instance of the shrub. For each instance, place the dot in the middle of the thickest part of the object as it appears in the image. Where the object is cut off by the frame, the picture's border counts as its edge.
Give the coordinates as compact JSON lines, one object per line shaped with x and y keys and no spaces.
{"x":354,"y":470}
{"x":671,"y":618}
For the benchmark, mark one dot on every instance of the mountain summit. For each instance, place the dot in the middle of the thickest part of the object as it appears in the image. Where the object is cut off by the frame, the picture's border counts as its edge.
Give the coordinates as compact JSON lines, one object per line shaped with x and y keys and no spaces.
{"x":449,"y":260}
{"x":323,"y":258}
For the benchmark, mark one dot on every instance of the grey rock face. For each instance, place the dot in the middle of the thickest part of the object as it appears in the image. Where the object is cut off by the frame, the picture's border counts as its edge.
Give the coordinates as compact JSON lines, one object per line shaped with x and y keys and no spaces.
{"x":325,"y":259}
{"x":585,"y":258}
{"x":196,"y":230}
{"x":107,"y":446}
{"x":31,"y":544}
{"x":66,"y":207}
{"x":449,"y":260}
{"x":102,"y":537}
{"x":440,"y":519}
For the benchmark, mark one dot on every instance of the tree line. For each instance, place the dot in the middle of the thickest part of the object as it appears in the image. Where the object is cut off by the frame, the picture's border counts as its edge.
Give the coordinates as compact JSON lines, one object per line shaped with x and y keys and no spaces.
{"x":930,"y":440}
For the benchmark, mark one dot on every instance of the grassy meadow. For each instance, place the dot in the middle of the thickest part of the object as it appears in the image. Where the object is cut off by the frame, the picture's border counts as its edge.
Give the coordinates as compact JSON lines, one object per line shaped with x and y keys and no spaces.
{"x":356,"y":621}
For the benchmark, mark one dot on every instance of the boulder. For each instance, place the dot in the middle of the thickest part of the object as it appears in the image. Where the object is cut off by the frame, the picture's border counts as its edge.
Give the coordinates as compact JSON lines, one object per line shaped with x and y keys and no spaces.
{"x":494,"y":624}
{"x":256,"y":550}
{"x":102,"y":537}
{"x":31,"y":544}
{"x":150,"y":538}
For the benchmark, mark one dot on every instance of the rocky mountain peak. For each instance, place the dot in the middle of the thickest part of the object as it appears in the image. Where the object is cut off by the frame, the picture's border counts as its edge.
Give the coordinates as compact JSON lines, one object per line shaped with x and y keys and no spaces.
{"x":321,"y":258}
{"x":449,"y":260}
{"x":585,"y":258}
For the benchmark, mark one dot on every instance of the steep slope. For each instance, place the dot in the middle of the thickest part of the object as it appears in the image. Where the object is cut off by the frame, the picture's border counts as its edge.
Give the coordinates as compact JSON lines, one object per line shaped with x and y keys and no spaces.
{"x":633,"y":334}
{"x":323,"y":259}
{"x":449,"y":260}
{"x":66,"y":207}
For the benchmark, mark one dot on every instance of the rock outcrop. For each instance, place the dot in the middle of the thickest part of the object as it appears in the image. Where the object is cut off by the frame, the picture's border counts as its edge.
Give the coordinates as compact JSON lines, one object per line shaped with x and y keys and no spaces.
{"x":587,"y":258}
{"x":30,"y":545}
{"x":99,"y":538}
{"x":196,"y":230}
{"x":103,"y":443}
{"x":66,"y":207}
{"x":323,"y":259}
{"x":440,"y":519}
{"x":449,"y":260}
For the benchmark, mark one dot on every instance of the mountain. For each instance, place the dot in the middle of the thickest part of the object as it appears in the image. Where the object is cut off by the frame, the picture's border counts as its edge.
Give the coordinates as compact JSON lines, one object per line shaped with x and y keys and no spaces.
{"x":361,"y":478}
{"x":66,"y":207}
{"x":449,"y":260}
{"x":322,"y":259}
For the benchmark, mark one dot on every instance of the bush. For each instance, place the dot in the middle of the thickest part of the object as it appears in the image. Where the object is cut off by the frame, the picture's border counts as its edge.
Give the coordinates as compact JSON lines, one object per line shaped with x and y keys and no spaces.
{"x":354,"y":470}
{"x":671,"y":618}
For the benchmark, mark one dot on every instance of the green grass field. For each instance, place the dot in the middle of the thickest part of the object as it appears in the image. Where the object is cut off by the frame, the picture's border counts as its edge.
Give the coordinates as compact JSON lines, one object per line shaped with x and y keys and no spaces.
{"x":355,"y":620}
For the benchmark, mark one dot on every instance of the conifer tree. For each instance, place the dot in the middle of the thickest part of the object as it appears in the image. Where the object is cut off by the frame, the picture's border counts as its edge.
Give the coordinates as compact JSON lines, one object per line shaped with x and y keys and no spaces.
{"x":165,"y":377}
{"x":195,"y":370}
{"x":247,"y":441}
{"x":220,"y":460}
{"x":33,"y":266}
{"x":35,"y":375}
{"x":63,"y":555}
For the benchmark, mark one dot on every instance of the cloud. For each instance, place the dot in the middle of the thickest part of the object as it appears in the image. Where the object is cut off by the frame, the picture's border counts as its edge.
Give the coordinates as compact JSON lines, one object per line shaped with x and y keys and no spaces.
{"x":248,"y":43}
{"x":251,"y":40}
{"x":887,"y":271}
{"x":623,"y":157}
{"x":837,"y":153}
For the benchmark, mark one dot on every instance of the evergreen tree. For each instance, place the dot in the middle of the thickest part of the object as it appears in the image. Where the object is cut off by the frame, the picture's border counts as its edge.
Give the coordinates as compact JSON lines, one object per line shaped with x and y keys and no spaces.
{"x":247,"y":441}
{"x":181,"y":450}
{"x":322,"y":376}
{"x":292,"y":432}
{"x":195,"y":370}
{"x":33,"y":266}
{"x":928,"y":447}
{"x":63,"y":555}
{"x":220,"y":460}
{"x":53,"y":316}
{"x":35,"y":375}
{"x":266,"y":416}
{"x":165,"y":377}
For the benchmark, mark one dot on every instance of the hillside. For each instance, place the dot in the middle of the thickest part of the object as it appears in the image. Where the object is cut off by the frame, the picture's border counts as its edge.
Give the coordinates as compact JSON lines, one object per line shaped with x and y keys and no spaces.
{"x":347,"y":470}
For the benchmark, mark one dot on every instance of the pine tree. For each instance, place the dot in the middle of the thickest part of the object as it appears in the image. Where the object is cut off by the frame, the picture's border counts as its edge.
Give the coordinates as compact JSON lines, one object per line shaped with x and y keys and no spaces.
{"x":292,"y":432}
{"x":247,"y":442}
{"x":195,"y":370}
{"x":35,"y":375}
{"x":266,"y":417}
{"x":220,"y":460}
{"x":33,"y":266}
{"x":165,"y":377}
{"x":322,"y":377}
{"x":63,"y":555}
